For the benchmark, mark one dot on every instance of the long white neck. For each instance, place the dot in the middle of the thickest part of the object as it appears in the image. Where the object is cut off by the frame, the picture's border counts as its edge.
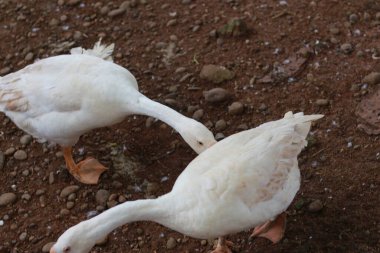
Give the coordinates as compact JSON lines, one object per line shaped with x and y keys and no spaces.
{"x":146,"y":209}
{"x":148,"y":107}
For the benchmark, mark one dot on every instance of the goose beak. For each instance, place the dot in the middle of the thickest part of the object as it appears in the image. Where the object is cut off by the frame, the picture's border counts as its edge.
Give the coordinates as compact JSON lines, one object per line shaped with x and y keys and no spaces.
{"x":52,"y":250}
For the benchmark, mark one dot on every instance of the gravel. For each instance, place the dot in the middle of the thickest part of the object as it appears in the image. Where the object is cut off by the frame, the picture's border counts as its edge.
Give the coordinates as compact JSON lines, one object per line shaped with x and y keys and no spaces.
{"x":372,"y":78}
{"x":236,"y":108}
{"x":68,"y":190}
{"x":315,"y":206}
{"x":171,"y":243}
{"x":7,"y":198}
{"x":216,"y":95}
{"x":216,"y":74}
{"x":20,"y":155}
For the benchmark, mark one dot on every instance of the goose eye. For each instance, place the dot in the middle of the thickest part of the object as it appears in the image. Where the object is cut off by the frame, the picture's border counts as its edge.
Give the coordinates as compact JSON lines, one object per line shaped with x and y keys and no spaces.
{"x":66,"y":249}
{"x":200,"y":143}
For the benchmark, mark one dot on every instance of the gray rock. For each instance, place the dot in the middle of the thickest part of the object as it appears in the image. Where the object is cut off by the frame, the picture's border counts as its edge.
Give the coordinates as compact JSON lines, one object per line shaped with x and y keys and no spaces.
{"x":219,"y":136}
{"x":26,"y":139}
{"x":7,"y":198}
{"x":20,"y":155}
{"x":334,"y":30}
{"x":46,"y":248}
{"x":26,"y":196}
{"x":70,"y":205}
{"x":220,"y":125}
{"x":372,"y":78}
{"x":216,"y":74}
{"x":51,"y":178}
{"x":346,"y":48}
{"x":25,"y":173}
{"x":29,"y":57}
{"x":216,"y":95}
{"x":4,"y":71}
{"x":322,"y":102}
{"x":64,"y":212}
{"x":353,"y":18}
{"x":9,"y":151}
{"x":236,"y":108}
{"x":101,"y":197}
{"x":73,"y":2}
{"x":68,"y":190}
{"x":198,"y":114}
{"x":116,"y":12}
{"x":54,"y":22}
{"x":171,"y":22}
{"x":23,"y":236}
{"x":171,"y":243}
{"x":315,"y":206}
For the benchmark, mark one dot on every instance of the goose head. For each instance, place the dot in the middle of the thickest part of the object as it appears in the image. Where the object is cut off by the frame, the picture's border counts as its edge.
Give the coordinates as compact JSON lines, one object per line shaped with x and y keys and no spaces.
{"x":197,"y":136}
{"x":74,"y":240}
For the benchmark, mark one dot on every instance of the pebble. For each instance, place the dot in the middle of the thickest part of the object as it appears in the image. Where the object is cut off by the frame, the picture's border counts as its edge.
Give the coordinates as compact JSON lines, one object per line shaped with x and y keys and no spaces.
{"x":47,"y":246}
{"x":25,"y":173}
{"x":68,"y":190}
{"x":4,"y":71}
{"x":236,"y":108}
{"x":219,"y":136}
{"x":334,"y":30}
{"x":70,"y":205}
{"x":54,"y":22}
{"x":171,"y":243}
{"x":64,"y":212}
{"x":73,"y":2}
{"x":101,"y":197}
{"x":198,"y":114}
{"x":116,"y":12}
{"x":216,"y":74}
{"x":9,"y":151}
{"x":26,"y":139}
{"x":7,"y":198}
{"x":346,"y":48}
{"x":51,"y":178}
{"x":322,"y":102}
{"x":26,"y":196}
{"x":354,"y":18}
{"x":29,"y":57}
{"x":315,"y":206}
{"x":2,"y":157}
{"x":216,"y":95}
{"x":23,"y":236}
{"x":171,"y":22}
{"x":220,"y":125}
{"x":372,"y":78}
{"x":20,"y":155}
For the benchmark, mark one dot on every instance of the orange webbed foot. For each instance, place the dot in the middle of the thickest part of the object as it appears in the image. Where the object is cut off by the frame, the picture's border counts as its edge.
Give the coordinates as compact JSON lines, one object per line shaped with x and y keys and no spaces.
{"x":272,"y":230}
{"x":222,"y":246}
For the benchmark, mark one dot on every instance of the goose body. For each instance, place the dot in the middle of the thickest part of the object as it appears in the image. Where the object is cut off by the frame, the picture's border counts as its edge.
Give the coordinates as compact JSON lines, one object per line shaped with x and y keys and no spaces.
{"x":59,"y":98}
{"x":241,"y":182}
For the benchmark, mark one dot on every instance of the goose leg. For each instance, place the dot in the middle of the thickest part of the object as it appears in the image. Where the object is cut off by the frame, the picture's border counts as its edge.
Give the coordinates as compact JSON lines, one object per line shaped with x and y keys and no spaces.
{"x":87,"y":171}
{"x":222,"y":246}
{"x":272,"y":230}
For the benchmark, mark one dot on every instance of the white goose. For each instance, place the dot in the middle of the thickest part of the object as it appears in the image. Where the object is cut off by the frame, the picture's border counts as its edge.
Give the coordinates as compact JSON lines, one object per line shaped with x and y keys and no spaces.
{"x":59,"y":98}
{"x":245,"y":180}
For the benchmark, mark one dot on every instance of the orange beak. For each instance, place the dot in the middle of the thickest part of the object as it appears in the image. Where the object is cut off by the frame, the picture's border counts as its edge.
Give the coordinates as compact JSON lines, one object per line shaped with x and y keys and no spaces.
{"x":52,"y":250}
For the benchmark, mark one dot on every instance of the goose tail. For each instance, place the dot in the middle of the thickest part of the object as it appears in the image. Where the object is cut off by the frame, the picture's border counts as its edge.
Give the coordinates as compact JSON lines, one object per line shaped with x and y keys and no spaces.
{"x":99,"y":50}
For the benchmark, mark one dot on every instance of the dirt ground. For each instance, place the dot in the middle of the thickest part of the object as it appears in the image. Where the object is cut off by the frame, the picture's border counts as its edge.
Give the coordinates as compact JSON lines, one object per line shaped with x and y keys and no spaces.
{"x":165,"y":44}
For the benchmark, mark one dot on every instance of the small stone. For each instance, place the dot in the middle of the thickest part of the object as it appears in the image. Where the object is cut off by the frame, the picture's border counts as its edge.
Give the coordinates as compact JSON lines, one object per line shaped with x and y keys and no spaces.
{"x":334,"y":30}
{"x":51,"y":178}
{"x":26,"y":196}
{"x":101,"y":197}
{"x":219,"y":136}
{"x":9,"y":151}
{"x":77,"y":35}
{"x":4,"y":71}
{"x":235,"y":27}
{"x":26,"y":139}
{"x":54,"y":22}
{"x":116,"y":12}
{"x":315,"y":206}
{"x":7,"y":198}
{"x":377,"y":16}
{"x":68,"y":190}
{"x":216,"y":74}
{"x":112,"y":203}
{"x":29,"y":57}
{"x":171,"y":243}
{"x":346,"y":48}
{"x":372,"y":78}
{"x":353,"y":18}
{"x":64,"y":212}
{"x":322,"y":102}
{"x":20,"y":155}
{"x":70,"y":205}
{"x":220,"y":125}
{"x":39,"y":192}
{"x":116,"y":184}
{"x":263,"y":107}
{"x":216,"y":95}
{"x":171,"y":22}
{"x":23,"y":236}
{"x":25,"y":173}
{"x":46,"y":248}
{"x":236,"y":108}
{"x":198,"y":114}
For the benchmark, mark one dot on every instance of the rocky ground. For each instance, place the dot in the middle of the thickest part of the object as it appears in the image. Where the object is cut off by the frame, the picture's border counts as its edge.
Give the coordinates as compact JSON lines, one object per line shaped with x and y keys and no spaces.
{"x":231,"y":64}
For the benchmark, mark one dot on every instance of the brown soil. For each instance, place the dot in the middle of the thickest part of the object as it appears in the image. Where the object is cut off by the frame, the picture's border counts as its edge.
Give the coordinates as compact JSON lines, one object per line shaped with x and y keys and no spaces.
{"x":344,"y":177}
